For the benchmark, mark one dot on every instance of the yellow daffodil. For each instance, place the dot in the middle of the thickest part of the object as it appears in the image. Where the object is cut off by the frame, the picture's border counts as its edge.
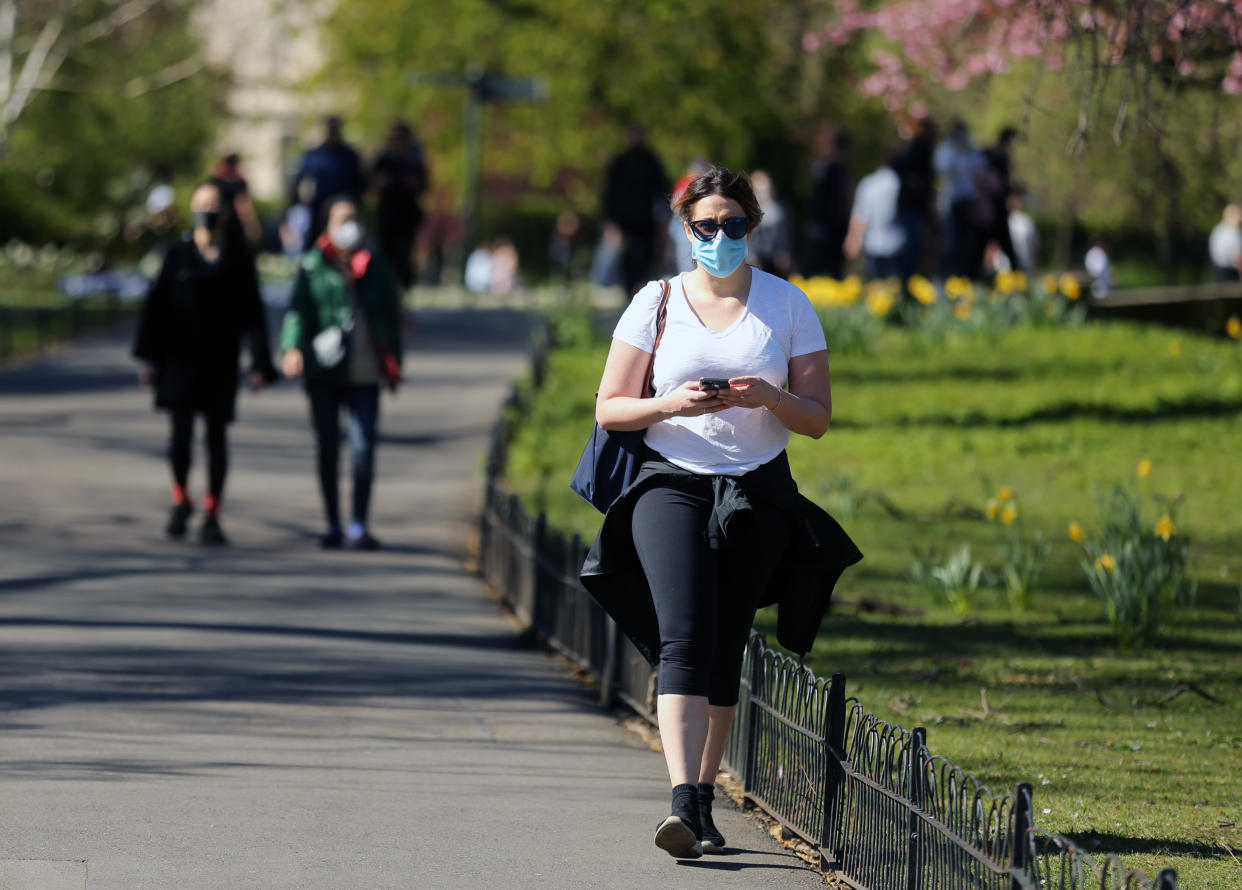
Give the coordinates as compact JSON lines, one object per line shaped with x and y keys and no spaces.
{"x":1175,"y":348}
{"x":1075,"y":532}
{"x":1070,"y":287}
{"x":1233,"y":327}
{"x":1143,"y":469}
{"x":1049,"y":284}
{"x":993,"y":509}
{"x":1005,"y":283}
{"x":1019,"y":280}
{"x":1005,"y":493}
{"x":851,"y":290}
{"x":879,"y":299}
{"x":1107,"y":563}
{"x":922,"y":289}
{"x":1164,"y":527}
{"x":959,"y":287}
{"x":1010,"y":513}
{"x":962,"y":311}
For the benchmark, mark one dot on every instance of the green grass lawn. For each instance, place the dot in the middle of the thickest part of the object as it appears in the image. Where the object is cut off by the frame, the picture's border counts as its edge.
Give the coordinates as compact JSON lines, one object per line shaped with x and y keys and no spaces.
{"x":1136,"y":753}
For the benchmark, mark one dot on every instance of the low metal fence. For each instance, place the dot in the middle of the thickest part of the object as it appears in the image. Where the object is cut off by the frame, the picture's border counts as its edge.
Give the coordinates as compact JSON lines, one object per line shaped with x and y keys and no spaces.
{"x":883,"y":812}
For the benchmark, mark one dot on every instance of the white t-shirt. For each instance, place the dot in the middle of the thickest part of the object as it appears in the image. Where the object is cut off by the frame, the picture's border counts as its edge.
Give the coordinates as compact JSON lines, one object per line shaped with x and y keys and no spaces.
{"x":1225,"y":245}
{"x":777,"y":324}
{"x":875,"y":203}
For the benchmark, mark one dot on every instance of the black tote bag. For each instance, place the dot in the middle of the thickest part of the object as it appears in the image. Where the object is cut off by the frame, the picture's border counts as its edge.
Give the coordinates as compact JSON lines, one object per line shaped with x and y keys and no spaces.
{"x":611,"y":459}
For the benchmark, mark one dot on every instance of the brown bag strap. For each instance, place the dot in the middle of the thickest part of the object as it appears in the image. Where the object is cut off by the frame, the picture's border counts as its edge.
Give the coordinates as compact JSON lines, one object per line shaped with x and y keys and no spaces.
{"x":661,"y":315}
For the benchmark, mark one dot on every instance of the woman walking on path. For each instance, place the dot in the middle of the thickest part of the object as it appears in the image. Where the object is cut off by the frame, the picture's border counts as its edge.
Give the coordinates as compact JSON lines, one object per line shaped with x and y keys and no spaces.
{"x":714,"y":527}
{"x":343,"y":332}
{"x":204,"y":302}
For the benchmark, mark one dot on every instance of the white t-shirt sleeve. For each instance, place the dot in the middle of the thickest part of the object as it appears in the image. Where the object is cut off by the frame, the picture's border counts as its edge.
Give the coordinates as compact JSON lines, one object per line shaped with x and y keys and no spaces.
{"x":637,"y":325}
{"x":808,"y":332}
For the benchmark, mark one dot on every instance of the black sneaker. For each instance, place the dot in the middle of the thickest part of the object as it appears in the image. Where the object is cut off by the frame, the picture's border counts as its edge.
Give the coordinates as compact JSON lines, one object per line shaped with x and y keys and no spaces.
{"x":713,"y":840}
{"x":332,"y":540}
{"x":179,"y":520}
{"x":678,"y":835}
{"x":211,"y":533}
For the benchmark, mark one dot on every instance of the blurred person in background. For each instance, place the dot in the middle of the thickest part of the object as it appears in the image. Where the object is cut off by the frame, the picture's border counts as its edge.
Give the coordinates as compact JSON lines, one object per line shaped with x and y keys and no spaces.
{"x":771,"y":243}
{"x":916,"y":201}
{"x":1022,"y":233}
{"x":400,"y":178}
{"x":1099,"y":268}
{"x":333,"y":166}
{"x":828,"y":210}
{"x":963,"y":206}
{"x":875,"y":231}
{"x":682,"y":259}
{"x":635,"y":200}
{"x":236,"y":202}
{"x":342,"y":333}
{"x":1225,"y":244}
{"x":204,"y":302}
{"x":999,"y":188}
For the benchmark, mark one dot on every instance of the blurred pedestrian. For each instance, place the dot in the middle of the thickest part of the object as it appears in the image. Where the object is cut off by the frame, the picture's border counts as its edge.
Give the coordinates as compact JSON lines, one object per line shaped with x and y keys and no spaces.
{"x":999,"y":188}
{"x":202,"y":305}
{"x":400,"y":177}
{"x":342,"y":332}
{"x":333,"y":166}
{"x":682,"y":258}
{"x":635,"y":200}
{"x":1099,"y":268}
{"x":875,"y":232}
{"x":713,"y":526}
{"x":1023,"y":234}
{"x":1225,"y":244}
{"x":771,"y":243}
{"x":964,"y":208}
{"x":237,"y":204}
{"x":916,"y":201}
{"x":563,"y":245}
{"x":296,"y":226}
{"x":828,"y":211}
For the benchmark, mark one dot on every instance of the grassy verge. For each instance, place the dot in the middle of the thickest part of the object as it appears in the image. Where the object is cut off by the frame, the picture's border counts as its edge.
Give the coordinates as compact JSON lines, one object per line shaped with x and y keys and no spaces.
{"x":1133,"y":752}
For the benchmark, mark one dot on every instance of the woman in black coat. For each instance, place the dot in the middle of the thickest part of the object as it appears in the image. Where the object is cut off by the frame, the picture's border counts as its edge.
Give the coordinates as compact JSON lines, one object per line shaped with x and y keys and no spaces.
{"x":195,"y":316}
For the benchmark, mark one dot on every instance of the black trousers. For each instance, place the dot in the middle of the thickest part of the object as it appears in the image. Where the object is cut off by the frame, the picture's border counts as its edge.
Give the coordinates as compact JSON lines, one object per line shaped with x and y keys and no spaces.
{"x":181,"y":444}
{"x":705,"y":599}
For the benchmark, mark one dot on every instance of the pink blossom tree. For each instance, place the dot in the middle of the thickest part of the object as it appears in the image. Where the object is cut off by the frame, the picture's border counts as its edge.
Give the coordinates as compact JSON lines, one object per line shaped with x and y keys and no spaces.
{"x":922,"y":45}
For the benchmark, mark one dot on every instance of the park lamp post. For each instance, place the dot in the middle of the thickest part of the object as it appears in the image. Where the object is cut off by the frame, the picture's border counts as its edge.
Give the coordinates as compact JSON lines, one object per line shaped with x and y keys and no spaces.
{"x":480,"y":87}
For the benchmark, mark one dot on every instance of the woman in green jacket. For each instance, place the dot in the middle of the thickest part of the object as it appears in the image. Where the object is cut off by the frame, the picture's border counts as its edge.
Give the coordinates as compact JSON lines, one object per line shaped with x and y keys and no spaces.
{"x":342,"y":332}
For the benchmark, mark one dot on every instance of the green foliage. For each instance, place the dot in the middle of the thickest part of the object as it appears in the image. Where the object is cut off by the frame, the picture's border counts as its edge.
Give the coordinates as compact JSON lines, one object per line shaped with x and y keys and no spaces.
{"x":724,"y":78}
{"x":1022,"y":562}
{"x":956,"y":579}
{"x":79,"y":161}
{"x":1137,"y":567}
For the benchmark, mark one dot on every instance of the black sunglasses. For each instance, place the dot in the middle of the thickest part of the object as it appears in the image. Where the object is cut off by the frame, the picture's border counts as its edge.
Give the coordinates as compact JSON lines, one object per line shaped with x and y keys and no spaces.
{"x":735,"y":227}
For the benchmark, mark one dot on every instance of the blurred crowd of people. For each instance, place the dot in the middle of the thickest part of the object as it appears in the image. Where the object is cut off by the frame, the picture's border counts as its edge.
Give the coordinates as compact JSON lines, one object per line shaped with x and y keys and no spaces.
{"x":938,"y":207}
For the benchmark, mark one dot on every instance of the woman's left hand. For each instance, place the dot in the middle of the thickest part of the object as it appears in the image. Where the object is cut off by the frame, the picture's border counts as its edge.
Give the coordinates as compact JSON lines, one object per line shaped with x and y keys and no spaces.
{"x":749,"y":392}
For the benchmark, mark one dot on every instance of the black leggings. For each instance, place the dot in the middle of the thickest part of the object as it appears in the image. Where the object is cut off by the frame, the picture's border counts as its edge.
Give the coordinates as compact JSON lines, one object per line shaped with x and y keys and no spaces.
{"x":181,"y":443}
{"x":705,"y":599}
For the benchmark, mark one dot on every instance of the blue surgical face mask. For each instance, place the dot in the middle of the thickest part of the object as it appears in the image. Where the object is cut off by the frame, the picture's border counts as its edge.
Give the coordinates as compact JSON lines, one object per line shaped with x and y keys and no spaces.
{"x":719,"y":257}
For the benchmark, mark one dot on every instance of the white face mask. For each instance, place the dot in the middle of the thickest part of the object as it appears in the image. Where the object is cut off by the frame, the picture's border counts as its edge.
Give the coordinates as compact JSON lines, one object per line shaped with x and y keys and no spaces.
{"x":346,"y":236}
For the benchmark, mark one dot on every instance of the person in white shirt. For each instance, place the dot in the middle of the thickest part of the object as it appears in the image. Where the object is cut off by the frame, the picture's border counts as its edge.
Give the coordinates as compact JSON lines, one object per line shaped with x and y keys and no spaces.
{"x":1225,"y":244}
{"x":1023,"y":234}
{"x":714,"y":514}
{"x":875,"y":230}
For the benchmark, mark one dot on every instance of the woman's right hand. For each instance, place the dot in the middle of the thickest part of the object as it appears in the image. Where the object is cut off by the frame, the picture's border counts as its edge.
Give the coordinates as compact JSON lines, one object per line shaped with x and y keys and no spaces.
{"x":689,"y":400}
{"x":291,"y":363}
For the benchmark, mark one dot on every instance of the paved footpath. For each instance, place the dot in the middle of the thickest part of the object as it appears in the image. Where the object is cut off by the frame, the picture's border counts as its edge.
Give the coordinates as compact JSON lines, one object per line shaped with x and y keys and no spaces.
{"x":274,"y":716}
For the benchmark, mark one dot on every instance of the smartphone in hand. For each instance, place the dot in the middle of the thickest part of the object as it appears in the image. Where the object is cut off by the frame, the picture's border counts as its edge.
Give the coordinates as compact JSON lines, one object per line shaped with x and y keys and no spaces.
{"x":712,"y":384}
